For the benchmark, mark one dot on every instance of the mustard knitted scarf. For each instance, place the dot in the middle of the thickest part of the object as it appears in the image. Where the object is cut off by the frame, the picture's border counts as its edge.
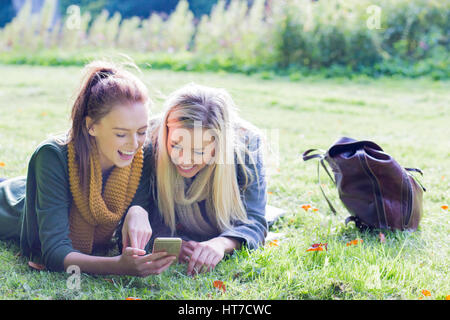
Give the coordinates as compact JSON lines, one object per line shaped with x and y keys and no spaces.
{"x":94,"y":216}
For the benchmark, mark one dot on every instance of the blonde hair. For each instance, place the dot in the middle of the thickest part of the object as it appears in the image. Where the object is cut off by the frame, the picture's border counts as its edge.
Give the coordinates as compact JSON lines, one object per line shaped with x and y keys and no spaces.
{"x":216,"y":183}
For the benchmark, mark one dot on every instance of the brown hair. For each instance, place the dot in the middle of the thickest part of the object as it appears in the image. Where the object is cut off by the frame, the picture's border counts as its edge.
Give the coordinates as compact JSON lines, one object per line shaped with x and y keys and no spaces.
{"x":104,"y":86}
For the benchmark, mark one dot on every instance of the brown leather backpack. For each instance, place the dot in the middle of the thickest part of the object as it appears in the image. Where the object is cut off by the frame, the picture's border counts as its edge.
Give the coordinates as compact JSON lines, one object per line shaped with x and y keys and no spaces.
{"x":374,"y":188}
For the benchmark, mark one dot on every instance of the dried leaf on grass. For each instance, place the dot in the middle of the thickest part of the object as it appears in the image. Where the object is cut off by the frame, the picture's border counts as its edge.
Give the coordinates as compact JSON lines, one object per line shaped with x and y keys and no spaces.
{"x":219,"y":285}
{"x":318,"y":247}
{"x":354,"y":242}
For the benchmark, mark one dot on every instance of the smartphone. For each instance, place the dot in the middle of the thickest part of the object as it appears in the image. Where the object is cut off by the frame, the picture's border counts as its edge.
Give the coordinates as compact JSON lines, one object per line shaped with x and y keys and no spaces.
{"x":171,"y":245}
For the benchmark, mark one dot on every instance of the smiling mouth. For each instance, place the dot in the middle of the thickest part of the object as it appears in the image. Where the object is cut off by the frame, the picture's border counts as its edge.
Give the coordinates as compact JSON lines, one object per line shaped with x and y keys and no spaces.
{"x":125,"y":155}
{"x":186,"y":169}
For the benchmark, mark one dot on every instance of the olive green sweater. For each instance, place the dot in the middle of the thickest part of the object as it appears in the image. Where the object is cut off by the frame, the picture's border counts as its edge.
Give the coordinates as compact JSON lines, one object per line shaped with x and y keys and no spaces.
{"x":34,"y":210}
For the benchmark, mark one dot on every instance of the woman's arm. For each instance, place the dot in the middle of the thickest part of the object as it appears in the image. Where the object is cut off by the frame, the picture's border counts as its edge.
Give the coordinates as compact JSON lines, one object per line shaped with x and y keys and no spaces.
{"x":132,"y":261}
{"x":48,"y":207}
{"x":228,"y":245}
{"x":254,"y":198}
{"x":45,"y":229}
{"x":204,"y":256}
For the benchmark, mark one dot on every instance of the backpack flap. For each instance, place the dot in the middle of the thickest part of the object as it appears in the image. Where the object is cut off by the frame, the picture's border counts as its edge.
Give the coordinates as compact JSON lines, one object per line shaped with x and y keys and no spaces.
{"x":346,"y":144}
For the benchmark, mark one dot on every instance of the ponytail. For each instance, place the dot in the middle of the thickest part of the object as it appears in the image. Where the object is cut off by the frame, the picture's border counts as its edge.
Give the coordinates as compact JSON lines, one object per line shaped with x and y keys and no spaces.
{"x":103,"y":86}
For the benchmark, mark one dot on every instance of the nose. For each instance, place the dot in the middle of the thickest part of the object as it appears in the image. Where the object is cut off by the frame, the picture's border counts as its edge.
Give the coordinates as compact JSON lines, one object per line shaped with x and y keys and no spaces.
{"x":186,"y":158}
{"x":134,"y":141}
{"x":180,"y":157}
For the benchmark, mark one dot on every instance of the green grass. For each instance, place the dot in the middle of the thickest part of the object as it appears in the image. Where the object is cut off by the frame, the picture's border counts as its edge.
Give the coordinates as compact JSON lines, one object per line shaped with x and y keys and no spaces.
{"x":408,"y":118}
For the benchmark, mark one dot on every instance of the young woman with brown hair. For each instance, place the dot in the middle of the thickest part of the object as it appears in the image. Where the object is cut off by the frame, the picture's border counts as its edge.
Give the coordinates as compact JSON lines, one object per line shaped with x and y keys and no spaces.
{"x":80,"y":187}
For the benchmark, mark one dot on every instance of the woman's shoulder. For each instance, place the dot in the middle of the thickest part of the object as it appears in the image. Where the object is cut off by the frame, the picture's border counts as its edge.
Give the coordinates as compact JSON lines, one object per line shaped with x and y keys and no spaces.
{"x":250,"y":162}
{"x":248,"y":134}
{"x":48,"y":166}
{"x":51,"y":150}
{"x":251,"y":144}
{"x":57,"y":143}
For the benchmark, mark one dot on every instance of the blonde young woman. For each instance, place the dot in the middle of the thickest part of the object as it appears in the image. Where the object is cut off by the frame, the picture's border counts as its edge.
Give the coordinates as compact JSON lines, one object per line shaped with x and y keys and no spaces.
{"x":79,"y":188}
{"x":209,"y":187}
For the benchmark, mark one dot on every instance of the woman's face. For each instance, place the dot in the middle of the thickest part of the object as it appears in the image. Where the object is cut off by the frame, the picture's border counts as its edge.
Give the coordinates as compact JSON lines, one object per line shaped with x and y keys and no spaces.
{"x":189,"y":149}
{"x":120,"y":134}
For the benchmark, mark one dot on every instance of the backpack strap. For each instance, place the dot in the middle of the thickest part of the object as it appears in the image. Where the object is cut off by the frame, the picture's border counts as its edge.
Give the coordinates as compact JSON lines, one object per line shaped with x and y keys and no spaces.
{"x":415,"y":169}
{"x":414,"y":177}
{"x":307,"y":156}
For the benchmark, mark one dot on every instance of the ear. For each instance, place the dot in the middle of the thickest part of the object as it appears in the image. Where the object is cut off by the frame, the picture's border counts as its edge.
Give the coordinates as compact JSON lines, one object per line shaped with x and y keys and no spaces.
{"x":90,"y":126}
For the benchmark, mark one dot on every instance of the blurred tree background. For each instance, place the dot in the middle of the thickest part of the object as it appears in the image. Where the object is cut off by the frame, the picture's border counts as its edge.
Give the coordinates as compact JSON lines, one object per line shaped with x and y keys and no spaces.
{"x":294,"y":37}
{"x":7,"y":12}
{"x":127,"y":9}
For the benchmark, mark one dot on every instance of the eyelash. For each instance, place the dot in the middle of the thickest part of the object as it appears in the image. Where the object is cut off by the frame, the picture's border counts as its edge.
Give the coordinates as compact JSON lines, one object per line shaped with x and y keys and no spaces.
{"x":123,"y":136}
{"x":199,"y":153}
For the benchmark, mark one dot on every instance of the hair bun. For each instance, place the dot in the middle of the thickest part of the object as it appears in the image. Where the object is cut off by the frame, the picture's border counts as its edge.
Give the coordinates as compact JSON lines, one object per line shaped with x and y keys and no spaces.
{"x":101,"y":74}
{"x":104,"y":73}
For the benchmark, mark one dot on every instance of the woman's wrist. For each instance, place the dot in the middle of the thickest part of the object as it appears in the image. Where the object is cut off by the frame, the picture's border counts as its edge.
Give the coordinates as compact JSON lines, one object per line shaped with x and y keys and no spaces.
{"x":94,"y":264}
{"x":137,"y":209}
{"x":226,"y":244}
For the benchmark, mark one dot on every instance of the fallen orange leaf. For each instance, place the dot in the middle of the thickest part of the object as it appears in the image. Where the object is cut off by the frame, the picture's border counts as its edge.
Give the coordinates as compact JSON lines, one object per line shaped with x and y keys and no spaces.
{"x":426,"y":293}
{"x":354,"y":242}
{"x":306,"y":207}
{"x":36,"y":266}
{"x":273,"y":243}
{"x":444,"y":207}
{"x":219,"y":285}
{"x":315,"y":249}
{"x":318,"y":247}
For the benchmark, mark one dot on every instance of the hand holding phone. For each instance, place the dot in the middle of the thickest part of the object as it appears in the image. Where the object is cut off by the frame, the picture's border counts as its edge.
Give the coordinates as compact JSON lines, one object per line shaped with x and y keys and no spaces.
{"x":170,"y":245}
